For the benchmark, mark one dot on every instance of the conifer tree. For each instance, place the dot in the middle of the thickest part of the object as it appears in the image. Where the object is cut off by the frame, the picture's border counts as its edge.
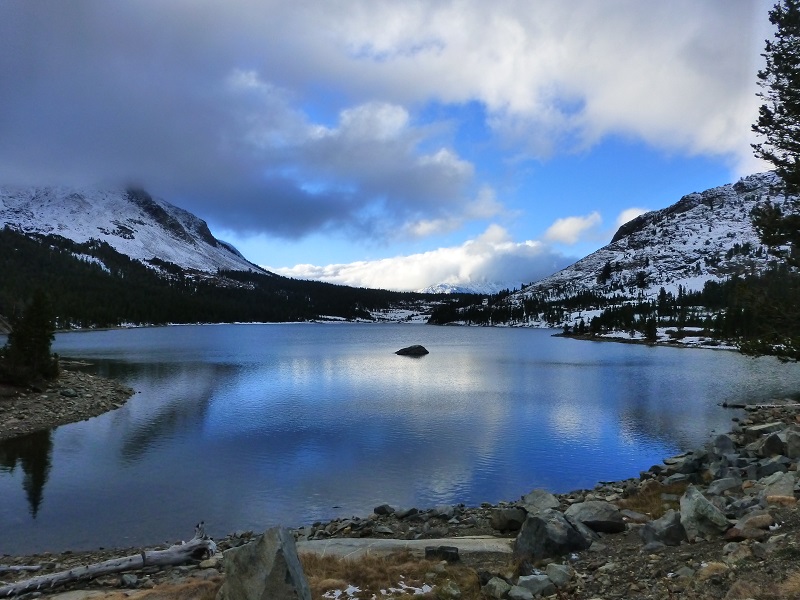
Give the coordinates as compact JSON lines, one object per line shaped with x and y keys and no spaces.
{"x":26,"y":356}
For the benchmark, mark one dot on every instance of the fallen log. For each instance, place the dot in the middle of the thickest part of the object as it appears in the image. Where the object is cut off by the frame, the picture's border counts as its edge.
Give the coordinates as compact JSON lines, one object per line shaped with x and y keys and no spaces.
{"x":199,"y":546}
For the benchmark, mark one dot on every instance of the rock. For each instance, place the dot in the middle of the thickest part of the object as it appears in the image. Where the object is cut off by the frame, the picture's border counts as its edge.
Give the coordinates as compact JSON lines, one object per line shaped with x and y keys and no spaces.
{"x":520,"y":593}
{"x":778,"y":484}
{"x":548,"y":534}
{"x":415,"y":350}
{"x":69,"y":393}
{"x":667,"y":530}
{"x":793,"y":444}
{"x":752,"y":526}
{"x":384,"y":509}
{"x":404,"y":513}
{"x":265,"y":568}
{"x":443,"y":511}
{"x":538,"y":500}
{"x":538,"y":585}
{"x":598,"y":516}
{"x":383,"y":529}
{"x":700,"y":517}
{"x":448,"y":553}
{"x":507,"y":519}
{"x":560,"y":575}
{"x":448,"y":589}
{"x":128,"y":580}
{"x":718,"y":487}
{"x":496,"y":588}
{"x":755,"y":432}
{"x":723,"y":444}
{"x":774,"y":464}
{"x":771,"y":445}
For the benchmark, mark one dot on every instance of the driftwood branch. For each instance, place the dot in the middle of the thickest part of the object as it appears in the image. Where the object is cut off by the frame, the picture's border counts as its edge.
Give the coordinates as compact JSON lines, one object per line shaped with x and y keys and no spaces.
{"x":178,"y":554}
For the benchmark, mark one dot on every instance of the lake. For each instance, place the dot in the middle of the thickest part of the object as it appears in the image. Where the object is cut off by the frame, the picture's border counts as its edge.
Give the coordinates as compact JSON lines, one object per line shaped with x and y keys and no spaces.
{"x":249,"y":426}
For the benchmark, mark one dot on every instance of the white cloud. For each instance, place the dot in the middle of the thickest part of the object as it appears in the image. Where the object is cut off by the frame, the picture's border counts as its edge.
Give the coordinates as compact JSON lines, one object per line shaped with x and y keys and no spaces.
{"x":629,"y":214}
{"x":492,"y":257}
{"x":569,"y":230}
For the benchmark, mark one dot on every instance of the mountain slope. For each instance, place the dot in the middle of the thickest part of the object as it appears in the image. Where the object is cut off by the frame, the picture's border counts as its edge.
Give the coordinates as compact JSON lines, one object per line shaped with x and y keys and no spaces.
{"x":703,"y":237}
{"x":130,"y":221}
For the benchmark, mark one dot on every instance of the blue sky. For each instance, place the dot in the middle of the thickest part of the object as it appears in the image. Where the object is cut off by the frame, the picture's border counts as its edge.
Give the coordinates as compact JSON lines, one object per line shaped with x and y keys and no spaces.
{"x":382,"y":143}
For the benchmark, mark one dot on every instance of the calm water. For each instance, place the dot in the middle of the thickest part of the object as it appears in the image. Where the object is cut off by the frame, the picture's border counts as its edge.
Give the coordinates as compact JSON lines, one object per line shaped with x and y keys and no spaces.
{"x":248,"y":426}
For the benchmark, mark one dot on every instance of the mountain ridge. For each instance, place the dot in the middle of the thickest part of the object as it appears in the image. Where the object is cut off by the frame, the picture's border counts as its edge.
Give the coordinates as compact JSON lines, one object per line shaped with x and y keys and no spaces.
{"x":131,"y":221}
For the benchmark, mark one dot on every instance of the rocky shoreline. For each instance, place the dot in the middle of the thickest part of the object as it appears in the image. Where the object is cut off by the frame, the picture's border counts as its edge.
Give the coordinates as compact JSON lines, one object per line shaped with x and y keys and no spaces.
{"x":73,"y":396}
{"x":719,"y":522}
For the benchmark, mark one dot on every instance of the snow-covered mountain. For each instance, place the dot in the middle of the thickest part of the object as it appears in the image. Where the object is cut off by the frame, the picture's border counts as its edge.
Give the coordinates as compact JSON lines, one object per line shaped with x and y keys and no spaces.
{"x":486,"y":289}
{"x":131,"y":221}
{"x":704,"y":236}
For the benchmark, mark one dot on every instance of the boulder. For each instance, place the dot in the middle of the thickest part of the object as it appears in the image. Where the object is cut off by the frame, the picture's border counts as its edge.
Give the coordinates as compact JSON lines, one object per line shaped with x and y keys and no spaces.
{"x":755,"y":432}
{"x":666,"y":530}
{"x":700,"y":517}
{"x":265,"y":568}
{"x":723,"y":444}
{"x":548,"y":534}
{"x":538,"y":500}
{"x":793,"y":444}
{"x":720,"y":486}
{"x":778,"y":484}
{"x":507,"y":519}
{"x":598,"y":516}
{"x":538,"y":585}
{"x":496,"y":588}
{"x":770,"y":445}
{"x":560,"y":575}
{"x":415,"y":350}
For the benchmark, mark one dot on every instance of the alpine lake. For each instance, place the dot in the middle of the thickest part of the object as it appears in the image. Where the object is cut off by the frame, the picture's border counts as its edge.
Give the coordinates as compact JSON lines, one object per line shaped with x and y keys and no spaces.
{"x":250,"y":426}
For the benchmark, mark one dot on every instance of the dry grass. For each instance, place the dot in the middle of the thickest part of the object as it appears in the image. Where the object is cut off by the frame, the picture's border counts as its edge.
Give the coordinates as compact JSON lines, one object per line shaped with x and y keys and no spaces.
{"x":371,"y":574}
{"x":650,"y":501}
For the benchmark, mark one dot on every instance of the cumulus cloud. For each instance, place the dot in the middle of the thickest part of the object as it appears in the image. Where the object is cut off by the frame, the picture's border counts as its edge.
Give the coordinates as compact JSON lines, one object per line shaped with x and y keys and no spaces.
{"x":491,"y":257}
{"x":570,"y":230}
{"x":290,"y":118}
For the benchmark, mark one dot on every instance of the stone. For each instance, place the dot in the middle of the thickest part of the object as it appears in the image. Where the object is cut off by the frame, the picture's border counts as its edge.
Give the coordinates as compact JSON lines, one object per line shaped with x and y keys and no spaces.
{"x":723,"y":444}
{"x":265,"y":568}
{"x":496,"y":588}
{"x":448,"y":589}
{"x":771,"y":445}
{"x":755,"y":432}
{"x":548,"y":534}
{"x":404,"y":513}
{"x":415,"y":350}
{"x":69,"y":393}
{"x":774,"y":464}
{"x":448,"y":553}
{"x":720,"y":486}
{"x":560,"y":575}
{"x":520,"y":593}
{"x":700,"y":517}
{"x":778,"y":484}
{"x":384,"y":509}
{"x":128,"y":580}
{"x":443,"y":511}
{"x":667,"y":530}
{"x":538,"y":585}
{"x":507,"y":519}
{"x":598,"y":516}
{"x":538,"y":500}
{"x":793,"y":444}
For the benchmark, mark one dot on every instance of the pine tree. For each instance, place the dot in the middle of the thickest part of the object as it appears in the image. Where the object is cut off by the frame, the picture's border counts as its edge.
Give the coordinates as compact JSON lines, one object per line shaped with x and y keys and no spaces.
{"x":779,"y":116}
{"x":26,"y":355}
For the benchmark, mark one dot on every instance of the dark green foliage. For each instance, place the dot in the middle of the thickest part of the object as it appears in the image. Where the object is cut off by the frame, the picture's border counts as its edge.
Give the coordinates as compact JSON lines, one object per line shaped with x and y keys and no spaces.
{"x":86,"y":293}
{"x":26,"y":356}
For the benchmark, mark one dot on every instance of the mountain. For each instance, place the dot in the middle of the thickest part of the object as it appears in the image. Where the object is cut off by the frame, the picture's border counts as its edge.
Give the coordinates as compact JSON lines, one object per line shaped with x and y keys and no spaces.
{"x":704,"y":238}
{"x":131,"y":221}
{"x":483,"y":289}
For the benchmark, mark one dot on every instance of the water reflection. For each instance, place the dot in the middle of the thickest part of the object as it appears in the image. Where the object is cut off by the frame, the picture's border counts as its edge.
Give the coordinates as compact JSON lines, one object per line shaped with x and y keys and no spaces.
{"x":32,"y":453}
{"x":250,"y":426}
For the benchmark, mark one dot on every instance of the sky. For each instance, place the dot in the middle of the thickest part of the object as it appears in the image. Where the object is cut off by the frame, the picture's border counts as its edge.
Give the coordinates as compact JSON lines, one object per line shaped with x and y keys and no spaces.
{"x":393,"y":144}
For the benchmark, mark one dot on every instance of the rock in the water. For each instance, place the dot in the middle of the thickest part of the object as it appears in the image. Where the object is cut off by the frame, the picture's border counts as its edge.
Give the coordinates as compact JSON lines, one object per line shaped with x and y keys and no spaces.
{"x":700,"y":517}
{"x":415,"y":350}
{"x":597,"y":515}
{"x":548,"y":534}
{"x":266,"y":568}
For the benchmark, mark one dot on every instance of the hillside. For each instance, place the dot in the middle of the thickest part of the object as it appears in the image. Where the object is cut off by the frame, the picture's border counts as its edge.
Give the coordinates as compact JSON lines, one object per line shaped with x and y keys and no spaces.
{"x":682,"y":262}
{"x":131,"y":221}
